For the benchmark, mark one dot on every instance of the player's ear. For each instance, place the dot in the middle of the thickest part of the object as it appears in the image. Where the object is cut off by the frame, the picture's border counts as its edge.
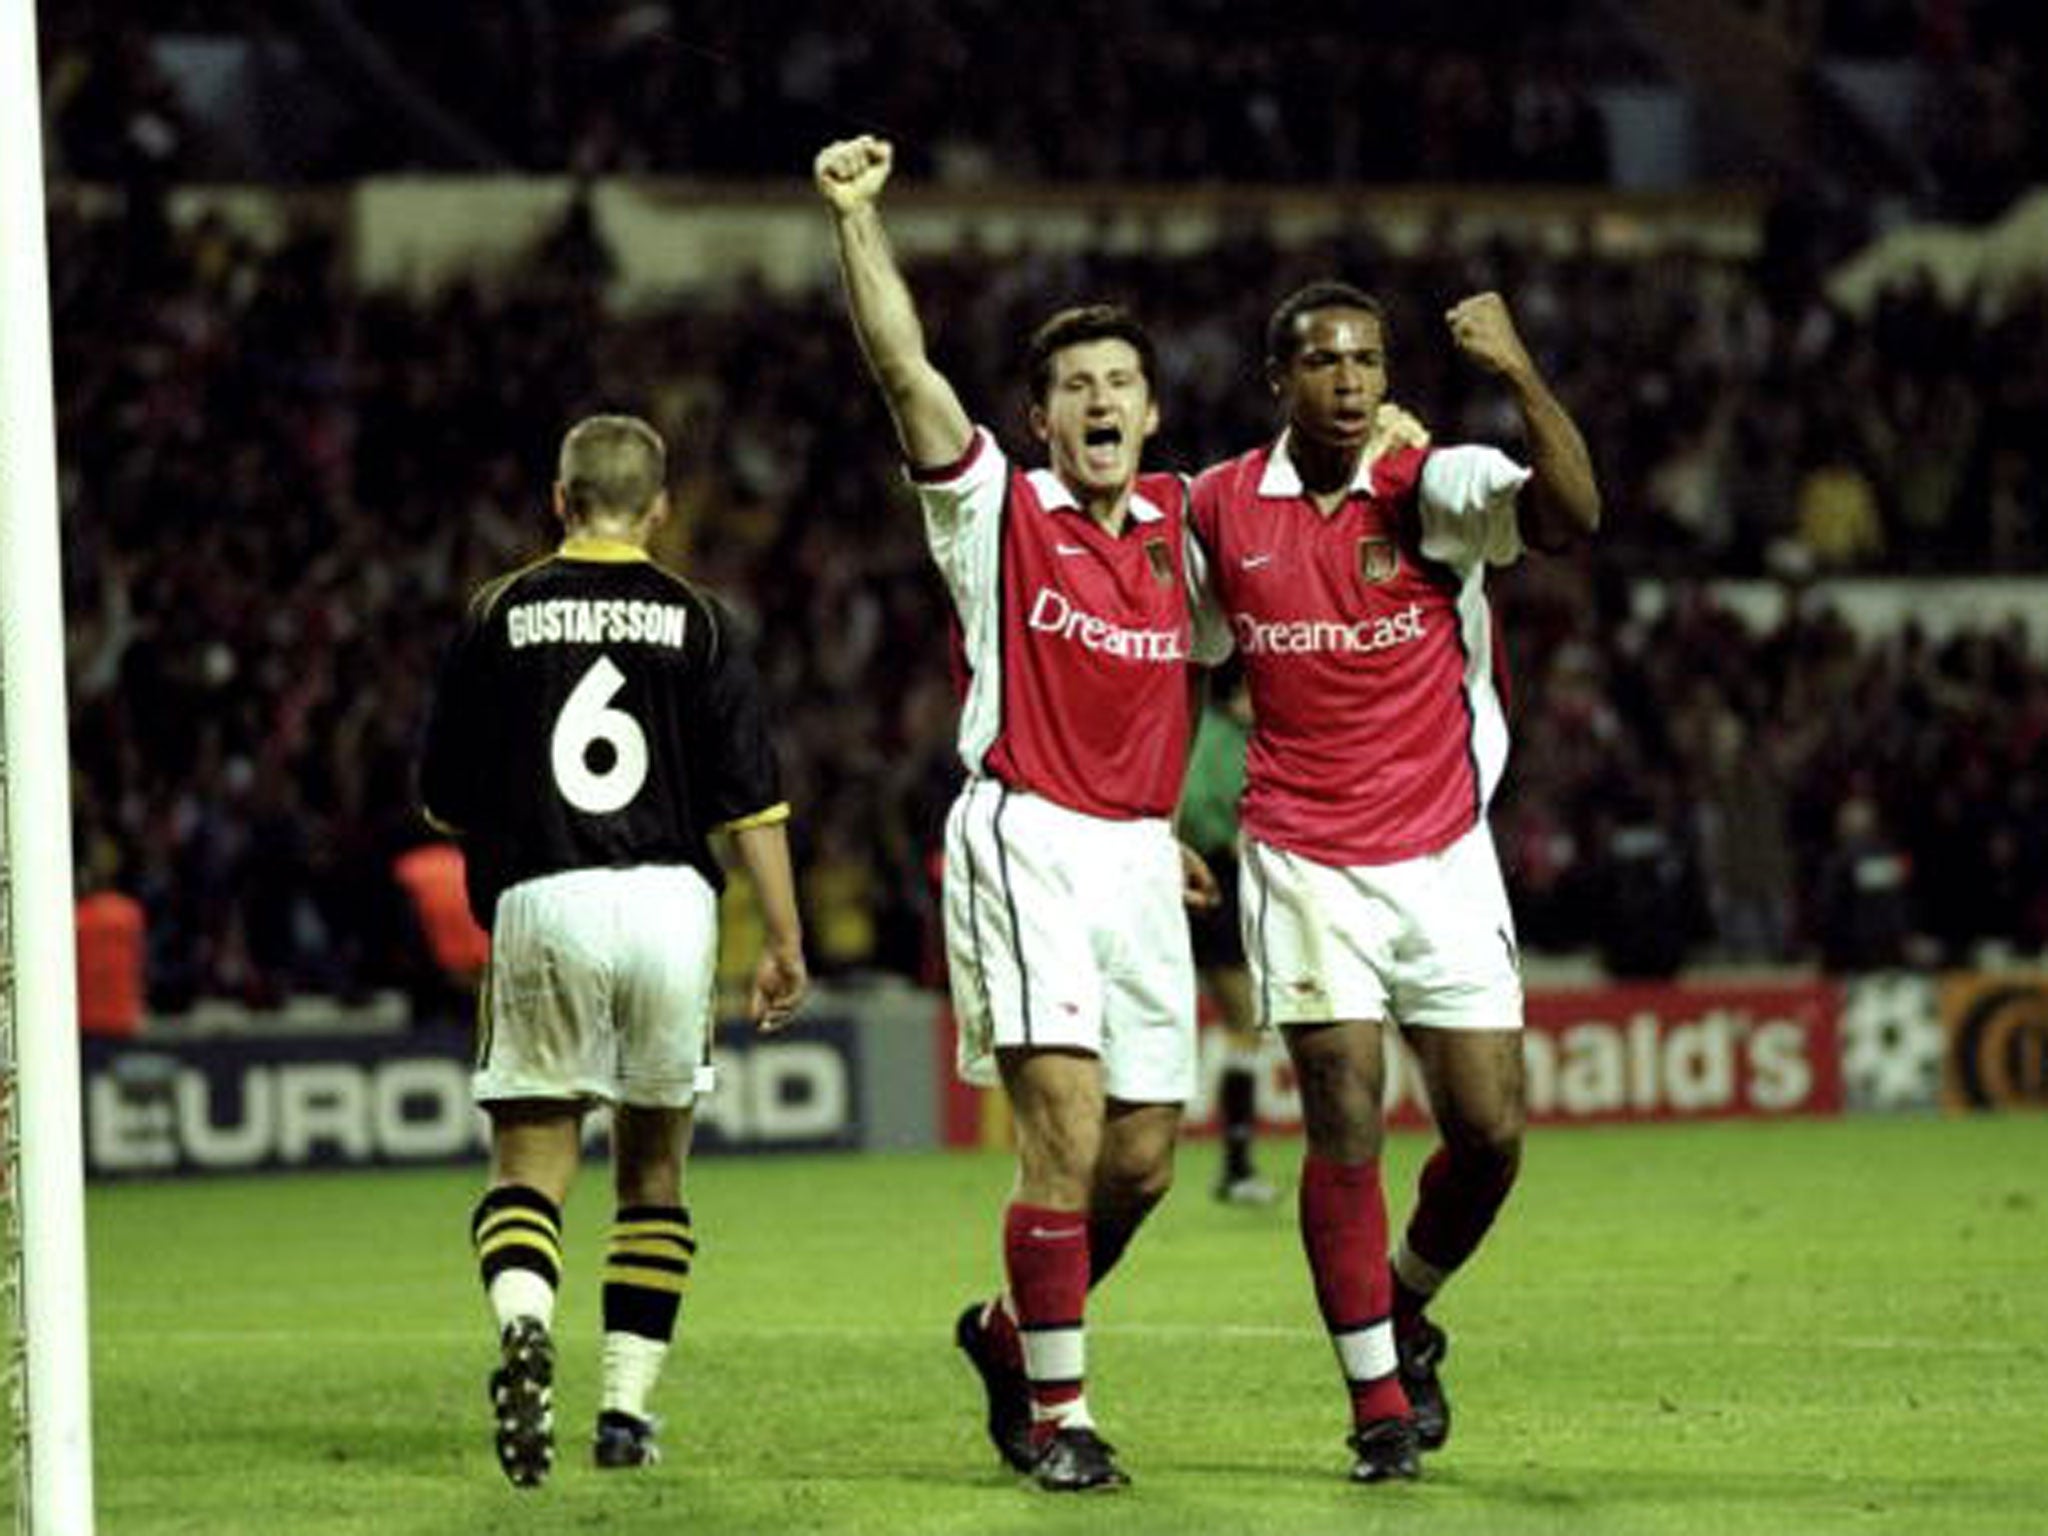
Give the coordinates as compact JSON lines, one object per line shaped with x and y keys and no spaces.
{"x":1040,"y":427}
{"x":657,"y":511}
{"x":1151,"y":417}
{"x":561,"y":504}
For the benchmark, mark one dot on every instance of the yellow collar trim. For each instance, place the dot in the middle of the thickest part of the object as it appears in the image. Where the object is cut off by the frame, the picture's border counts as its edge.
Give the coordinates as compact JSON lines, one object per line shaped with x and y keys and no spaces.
{"x":582,"y":547}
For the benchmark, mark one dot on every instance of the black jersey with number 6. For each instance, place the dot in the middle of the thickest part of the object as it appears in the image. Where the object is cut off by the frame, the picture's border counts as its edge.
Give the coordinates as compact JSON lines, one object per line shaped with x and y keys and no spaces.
{"x":595,"y":710}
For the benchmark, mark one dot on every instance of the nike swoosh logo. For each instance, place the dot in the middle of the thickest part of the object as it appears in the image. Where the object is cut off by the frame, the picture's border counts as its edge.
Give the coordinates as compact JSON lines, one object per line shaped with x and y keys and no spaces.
{"x":1253,"y":562}
{"x":1070,"y":549}
{"x":1052,"y":1234}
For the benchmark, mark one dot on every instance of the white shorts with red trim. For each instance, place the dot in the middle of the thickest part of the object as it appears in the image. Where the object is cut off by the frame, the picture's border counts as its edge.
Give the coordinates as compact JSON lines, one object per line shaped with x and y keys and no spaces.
{"x":1428,"y":943}
{"x":1065,"y":930}
{"x":600,"y":988}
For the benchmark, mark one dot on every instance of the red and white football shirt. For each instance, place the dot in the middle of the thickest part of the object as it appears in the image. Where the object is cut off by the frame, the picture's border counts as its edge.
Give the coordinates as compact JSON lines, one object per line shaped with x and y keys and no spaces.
{"x":1075,"y":639}
{"x":1367,"y":643}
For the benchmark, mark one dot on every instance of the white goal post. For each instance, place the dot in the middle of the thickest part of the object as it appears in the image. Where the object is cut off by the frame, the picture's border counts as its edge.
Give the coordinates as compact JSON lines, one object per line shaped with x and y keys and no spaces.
{"x":48,"y":1365}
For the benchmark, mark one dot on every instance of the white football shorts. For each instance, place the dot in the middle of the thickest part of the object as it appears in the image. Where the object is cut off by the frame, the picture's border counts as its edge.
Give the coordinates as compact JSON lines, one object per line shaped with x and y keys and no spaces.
{"x":1067,"y":930}
{"x":600,"y":988}
{"x":1428,"y":943}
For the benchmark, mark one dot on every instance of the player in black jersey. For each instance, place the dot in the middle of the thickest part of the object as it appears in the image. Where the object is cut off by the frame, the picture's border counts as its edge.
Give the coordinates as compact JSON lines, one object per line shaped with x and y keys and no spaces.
{"x":595,"y":721}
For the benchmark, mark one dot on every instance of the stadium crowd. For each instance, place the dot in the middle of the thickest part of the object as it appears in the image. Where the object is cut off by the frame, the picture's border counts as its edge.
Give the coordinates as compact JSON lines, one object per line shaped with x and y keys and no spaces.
{"x":1115,"y":90}
{"x":277,"y":492}
{"x":1177,"y":90}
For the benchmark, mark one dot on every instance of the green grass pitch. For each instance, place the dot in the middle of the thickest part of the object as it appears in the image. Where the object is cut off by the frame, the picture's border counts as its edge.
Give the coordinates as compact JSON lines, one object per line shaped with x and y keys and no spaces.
{"x":1819,"y":1327}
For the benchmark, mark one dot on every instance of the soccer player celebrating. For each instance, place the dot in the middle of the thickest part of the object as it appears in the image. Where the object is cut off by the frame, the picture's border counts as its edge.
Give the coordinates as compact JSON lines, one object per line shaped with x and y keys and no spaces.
{"x":595,"y":719}
{"x":1067,"y":945}
{"x":1352,"y":580}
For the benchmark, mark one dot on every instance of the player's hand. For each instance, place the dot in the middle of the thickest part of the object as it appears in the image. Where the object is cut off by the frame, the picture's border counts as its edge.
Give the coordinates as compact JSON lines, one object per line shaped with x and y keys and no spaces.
{"x":1198,"y":888}
{"x":1394,"y":427}
{"x":851,"y":172}
{"x":1485,"y":332}
{"x":780,"y":984}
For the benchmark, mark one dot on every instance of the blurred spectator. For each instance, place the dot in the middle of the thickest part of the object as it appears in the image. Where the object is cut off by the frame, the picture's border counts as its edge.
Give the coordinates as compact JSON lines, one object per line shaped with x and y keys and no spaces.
{"x":452,"y":949}
{"x":115,"y":116}
{"x":1835,"y":507}
{"x":841,"y":898}
{"x":111,"y":951}
{"x":1647,"y":889}
{"x":1743,"y":828}
{"x":1865,"y":893}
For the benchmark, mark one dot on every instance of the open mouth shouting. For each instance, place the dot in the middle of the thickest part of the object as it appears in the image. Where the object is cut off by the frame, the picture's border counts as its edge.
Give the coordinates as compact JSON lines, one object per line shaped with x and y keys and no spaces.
{"x":1102,"y":447}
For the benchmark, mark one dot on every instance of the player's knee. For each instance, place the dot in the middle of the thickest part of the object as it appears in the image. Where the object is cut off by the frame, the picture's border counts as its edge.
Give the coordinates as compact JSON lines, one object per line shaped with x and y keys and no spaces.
{"x":1343,"y":1124}
{"x":1143,"y":1185}
{"x":1336,"y":1096}
{"x":1058,"y":1158}
{"x":1489,"y":1152}
{"x":1134,"y":1174}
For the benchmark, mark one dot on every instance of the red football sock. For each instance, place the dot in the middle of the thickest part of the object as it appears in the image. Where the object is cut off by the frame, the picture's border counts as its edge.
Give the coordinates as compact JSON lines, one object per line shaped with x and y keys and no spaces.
{"x":1344,"y":1232}
{"x":1109,"y":1235}
{"x":1046,"y":1255}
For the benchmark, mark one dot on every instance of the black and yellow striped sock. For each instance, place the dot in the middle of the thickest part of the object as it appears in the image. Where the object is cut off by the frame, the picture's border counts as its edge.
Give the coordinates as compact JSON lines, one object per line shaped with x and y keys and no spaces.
{"x":646,"y":1267}
{"x":517,"y":1228}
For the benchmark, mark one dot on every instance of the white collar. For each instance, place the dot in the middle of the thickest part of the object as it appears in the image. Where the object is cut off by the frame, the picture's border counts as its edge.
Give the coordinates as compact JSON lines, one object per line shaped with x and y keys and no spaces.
{"x":1054,"y":496}
{"x":1281,"y":478}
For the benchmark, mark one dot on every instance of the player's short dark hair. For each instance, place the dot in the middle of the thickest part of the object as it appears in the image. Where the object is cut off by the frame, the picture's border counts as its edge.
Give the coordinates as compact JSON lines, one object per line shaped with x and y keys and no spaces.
{"x":611,"y":464}
{"x":1283,"y":332}
{"x":1070,"y":328}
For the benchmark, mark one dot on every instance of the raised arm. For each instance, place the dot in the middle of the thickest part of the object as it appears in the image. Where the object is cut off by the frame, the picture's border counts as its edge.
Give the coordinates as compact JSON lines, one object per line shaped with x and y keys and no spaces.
{"x":930,"y":421}
{"x":1562,"y":505}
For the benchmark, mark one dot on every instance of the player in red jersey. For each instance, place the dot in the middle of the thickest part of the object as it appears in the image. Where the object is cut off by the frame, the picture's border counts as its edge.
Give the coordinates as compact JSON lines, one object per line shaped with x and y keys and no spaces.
{"x":1066,"y":942}
{"x":1352,"y":582}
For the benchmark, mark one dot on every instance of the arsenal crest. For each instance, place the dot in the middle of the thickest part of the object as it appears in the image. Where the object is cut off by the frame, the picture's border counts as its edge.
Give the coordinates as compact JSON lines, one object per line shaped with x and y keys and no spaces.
{"x":1160,"y":561}
{"x":1379,"y":559}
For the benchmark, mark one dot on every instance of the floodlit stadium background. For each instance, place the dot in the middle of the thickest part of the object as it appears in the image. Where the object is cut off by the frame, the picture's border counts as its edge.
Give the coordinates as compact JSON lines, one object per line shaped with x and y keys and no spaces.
{"x":328,"y":284}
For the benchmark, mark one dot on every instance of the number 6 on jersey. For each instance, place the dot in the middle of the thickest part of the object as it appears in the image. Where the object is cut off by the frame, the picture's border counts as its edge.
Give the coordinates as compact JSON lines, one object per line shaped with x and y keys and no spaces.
{"x":586,"y":719}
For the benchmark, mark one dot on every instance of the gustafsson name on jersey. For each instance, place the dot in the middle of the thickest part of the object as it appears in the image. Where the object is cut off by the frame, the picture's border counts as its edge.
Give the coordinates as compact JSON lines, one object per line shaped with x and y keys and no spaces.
{"x":1300,"y":636}
{"x":1053,"y":613}
{"x":595,"y":621}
